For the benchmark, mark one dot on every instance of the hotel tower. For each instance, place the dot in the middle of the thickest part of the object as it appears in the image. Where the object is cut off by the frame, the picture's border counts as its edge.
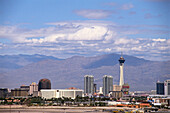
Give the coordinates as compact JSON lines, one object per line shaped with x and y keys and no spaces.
{"x":107,"y":84}
{"x":88,"y":84}
{"x":121,"y":62}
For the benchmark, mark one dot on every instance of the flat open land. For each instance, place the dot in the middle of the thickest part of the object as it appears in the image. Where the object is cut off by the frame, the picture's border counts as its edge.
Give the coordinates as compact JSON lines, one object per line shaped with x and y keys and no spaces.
{"x":53,"y":109}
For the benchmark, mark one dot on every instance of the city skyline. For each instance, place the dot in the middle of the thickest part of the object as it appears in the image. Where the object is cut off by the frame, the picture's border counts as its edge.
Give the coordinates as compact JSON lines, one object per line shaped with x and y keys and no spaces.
{"x":32,"y":68}
{"x":69,"y":55}
{"x":87,"y":28}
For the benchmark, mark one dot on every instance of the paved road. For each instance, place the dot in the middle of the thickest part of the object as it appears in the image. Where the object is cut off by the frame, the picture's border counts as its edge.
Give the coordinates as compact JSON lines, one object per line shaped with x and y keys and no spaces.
{"x":49,"y":111}
{"x":54,"y":109}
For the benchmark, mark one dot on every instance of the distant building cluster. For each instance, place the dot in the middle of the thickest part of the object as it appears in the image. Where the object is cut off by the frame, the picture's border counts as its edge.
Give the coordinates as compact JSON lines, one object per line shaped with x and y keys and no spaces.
{"x":109,"y":90}
{"x":163,"y":88}
{"x":42,"y":89}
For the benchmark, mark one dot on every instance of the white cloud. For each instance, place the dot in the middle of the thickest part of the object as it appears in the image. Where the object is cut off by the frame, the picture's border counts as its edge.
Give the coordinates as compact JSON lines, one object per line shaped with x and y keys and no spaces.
{"x":137,"y":48}
{"x":105,"y":50}
{"x":94,"y":14}
{"x":2,"y":45}
{"x":163,"y":48}
{"x":126,"y":41}
{"x":86,"y":23}
{"x":90,"y":33}
{"x":86,"y":33}
{"x":159,"y":40}
{"x":82,"y":38}
{"x":86,"y":44}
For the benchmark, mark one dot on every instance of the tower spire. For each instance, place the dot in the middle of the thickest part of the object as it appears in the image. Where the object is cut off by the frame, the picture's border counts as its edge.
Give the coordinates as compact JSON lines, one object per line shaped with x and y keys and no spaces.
{"x":121,"y":54}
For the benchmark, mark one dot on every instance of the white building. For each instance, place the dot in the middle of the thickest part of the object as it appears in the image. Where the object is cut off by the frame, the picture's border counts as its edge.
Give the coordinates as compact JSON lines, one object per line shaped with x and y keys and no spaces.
{"x":49,"y":93}
{"x":59,"y":93}
{"x":100,"y":90}
{"x":167,"y":87}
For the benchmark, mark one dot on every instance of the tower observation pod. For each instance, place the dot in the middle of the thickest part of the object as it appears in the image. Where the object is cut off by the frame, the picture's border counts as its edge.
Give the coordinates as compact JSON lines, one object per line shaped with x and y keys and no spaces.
{"x":121,"y":62}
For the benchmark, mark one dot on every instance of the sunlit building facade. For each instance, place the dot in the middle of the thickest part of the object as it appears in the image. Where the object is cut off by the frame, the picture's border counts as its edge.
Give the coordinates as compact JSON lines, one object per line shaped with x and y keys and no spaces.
{"x":60,"y":93}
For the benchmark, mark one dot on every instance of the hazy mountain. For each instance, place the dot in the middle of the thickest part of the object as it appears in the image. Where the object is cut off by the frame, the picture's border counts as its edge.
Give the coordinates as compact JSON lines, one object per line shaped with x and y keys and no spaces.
{"x":140,"y":74}
{"x":10,"y":62}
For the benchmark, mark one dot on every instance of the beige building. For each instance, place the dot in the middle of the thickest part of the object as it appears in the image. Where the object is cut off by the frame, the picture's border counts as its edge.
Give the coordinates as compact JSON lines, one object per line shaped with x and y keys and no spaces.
{"x":23,"y":91}
{"x":117,"y":88}
{"x":116,"y":94}
{"x":19,"y":92}
{"x":33,"y":88}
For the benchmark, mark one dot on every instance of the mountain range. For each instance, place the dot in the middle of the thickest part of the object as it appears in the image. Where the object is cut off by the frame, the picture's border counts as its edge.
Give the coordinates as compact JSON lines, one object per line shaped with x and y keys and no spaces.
{"x":140,"y":74}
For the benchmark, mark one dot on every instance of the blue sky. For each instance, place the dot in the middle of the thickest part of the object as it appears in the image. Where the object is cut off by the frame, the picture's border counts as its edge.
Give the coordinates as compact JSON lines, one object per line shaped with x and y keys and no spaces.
{"x":64,"y":28}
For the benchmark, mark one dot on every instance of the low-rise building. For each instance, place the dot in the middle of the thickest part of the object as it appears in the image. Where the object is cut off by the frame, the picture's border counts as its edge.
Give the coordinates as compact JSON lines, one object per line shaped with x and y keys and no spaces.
{"x":49,"y":93}
{"x":59,"y":93}
{"x":20,"y":92}
{"x":116,"y":94}
{"x":23,"y":91}
{"x":159,"y":99}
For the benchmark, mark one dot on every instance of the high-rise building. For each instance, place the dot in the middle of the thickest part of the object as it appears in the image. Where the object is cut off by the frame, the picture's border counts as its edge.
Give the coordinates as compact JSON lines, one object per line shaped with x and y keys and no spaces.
{"x":107,"y":84}
{"x":121,"y":62}
{"x":160,"y":88}
{"x":33,"y":87}
{"x":88,"y":84}
{"x":167,"y":87}
{"x":44,"y":84}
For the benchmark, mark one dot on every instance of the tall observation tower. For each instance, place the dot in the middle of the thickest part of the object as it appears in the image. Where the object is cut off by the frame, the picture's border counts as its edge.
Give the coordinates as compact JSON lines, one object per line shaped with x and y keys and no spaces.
{"x":121,"y":62}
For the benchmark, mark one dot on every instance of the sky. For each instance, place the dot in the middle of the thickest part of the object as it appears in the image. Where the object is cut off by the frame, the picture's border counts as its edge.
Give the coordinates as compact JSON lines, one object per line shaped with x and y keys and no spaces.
{"x":65,"y":28}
